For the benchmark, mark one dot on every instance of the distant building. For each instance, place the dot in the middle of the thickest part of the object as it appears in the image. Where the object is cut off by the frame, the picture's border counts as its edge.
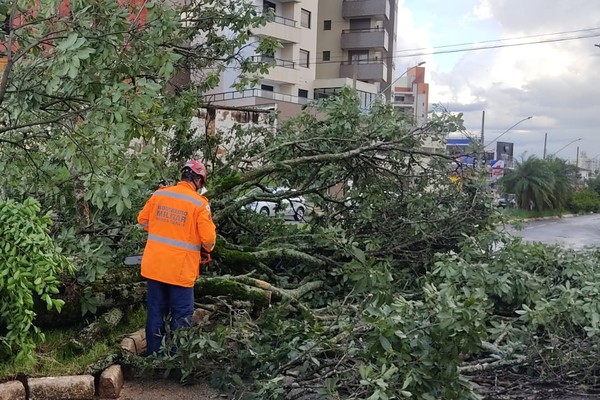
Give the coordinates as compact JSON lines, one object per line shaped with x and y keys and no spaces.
{"x":411,"y":95}
{"x":590,"y":165}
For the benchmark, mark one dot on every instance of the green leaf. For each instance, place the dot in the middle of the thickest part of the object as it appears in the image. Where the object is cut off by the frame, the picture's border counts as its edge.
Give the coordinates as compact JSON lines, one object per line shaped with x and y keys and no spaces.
{"x":68,"y":42}
{"x":385,"y":343}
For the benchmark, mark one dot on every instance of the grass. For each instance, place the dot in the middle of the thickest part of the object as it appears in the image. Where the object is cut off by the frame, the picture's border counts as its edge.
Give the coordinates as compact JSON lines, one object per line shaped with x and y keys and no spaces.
{"x":519,"y":214}
{"x":56,"y":356}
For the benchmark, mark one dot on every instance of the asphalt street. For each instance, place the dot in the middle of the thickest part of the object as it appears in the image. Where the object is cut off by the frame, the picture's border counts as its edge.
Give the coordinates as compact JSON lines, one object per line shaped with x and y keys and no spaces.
{"x":571,"y":232}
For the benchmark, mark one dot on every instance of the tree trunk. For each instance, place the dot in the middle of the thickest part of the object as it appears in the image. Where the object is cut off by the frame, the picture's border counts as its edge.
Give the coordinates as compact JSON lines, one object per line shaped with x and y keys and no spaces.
{"x":125,"y":295}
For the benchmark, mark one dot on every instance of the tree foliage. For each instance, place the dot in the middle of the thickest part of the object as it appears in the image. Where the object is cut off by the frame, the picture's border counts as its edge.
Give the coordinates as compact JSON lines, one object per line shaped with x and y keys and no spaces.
{"x":31,"y":268}
{"x":88,"y":110}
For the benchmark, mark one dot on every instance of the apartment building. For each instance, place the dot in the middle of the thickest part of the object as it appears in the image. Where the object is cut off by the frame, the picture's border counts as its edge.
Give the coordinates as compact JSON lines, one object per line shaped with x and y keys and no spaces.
{"x":356,"y":42}
{"x":289,"y":84}
{"x":326,"y":45}
{"x":411,"y":95}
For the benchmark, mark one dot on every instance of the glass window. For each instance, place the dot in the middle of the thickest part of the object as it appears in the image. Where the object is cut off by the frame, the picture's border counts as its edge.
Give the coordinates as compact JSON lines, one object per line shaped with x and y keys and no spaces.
{"x":327,"y":25}
{"x":268,"y":88}
{"x":267,"y":5}
{"x":302,"y":93}
{"x":304,"y":58}
{"x":358,"y":56}
{"x":326,"y":55}
{"x":305,"y":18}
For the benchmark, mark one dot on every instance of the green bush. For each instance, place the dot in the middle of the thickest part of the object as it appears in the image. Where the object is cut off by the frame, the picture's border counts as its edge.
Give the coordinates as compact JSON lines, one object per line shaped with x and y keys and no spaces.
{"x":585,"y":200}
{"x":31,"y":264}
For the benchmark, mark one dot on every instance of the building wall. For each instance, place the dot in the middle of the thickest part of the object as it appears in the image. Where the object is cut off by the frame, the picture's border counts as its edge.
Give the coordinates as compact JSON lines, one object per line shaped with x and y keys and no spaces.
{"x":330,"y":10}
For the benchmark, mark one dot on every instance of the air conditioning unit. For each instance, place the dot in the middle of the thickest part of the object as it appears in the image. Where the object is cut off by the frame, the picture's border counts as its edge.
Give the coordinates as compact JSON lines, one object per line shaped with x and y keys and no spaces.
{"x":379,"y":25}
{"x":376,"y":55}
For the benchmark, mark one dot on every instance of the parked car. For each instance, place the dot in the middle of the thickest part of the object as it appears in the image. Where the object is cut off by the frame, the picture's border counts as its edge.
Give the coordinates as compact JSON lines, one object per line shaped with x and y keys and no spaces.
{"x":507,"y":200}
{"x":293,"y":207}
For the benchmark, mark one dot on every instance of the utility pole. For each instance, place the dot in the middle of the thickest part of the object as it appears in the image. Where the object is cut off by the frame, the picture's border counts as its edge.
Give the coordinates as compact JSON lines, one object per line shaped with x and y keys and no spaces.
{"x":577,"y":159}
{"x":545,"y":142}
{"x":354,"y":71}
{"x":482,"y":139}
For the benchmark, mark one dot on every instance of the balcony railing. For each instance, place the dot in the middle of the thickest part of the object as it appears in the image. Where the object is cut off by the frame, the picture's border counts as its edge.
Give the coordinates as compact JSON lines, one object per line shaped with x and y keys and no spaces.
{"x":366,"y":8}
{"x":362,"y":30}
{"x":278,"y":19}
{"x":278,"y":61}
{"x":370,"y":38}
{"x":249,"y":93}
{"x":372,"y":70}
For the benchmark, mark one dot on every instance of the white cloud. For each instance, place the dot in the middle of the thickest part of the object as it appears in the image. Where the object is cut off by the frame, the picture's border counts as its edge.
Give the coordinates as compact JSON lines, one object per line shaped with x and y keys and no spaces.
{"x":483,"y":10}
{"x":553,"y":82}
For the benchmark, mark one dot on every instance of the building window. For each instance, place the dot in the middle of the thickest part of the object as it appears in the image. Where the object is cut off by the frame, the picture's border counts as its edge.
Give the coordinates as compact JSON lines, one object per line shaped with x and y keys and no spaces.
{"x":267,"y":5}
{"x":304,"y":56}
{"x":358,"y":56}
{"x":303,"y":93}
{"x":305,"y":18}
{"x":326,"y":55}
{"x":327,"y":25}
{"x":268,"y":88}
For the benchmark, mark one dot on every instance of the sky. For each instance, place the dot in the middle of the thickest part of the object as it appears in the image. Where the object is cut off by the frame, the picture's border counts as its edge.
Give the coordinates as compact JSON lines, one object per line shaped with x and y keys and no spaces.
{"x":556,"y":83}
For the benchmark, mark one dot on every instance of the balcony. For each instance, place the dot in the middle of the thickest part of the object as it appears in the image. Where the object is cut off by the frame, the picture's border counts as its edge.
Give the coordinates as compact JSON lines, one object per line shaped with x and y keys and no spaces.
{"x":283,"y":71}
{"x":366,"y":70}
{"x":379,"y":9}
{"x":365,"y":39}
{"x":284,"y":29}
{"x":250,"y":94}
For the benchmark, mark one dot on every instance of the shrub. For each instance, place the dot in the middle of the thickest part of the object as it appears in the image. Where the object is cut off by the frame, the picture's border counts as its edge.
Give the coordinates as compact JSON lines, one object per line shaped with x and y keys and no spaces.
{"x":585,"y":200}
{"x":31,"y":265}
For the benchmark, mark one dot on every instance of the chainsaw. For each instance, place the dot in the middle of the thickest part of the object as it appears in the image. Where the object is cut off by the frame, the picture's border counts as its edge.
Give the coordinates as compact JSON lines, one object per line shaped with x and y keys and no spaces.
{"x":137,"y":260}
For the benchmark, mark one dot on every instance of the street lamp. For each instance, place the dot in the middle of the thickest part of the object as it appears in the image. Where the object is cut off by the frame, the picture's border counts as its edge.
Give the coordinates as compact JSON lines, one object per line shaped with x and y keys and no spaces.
{"x":565,"y":146}
{"x":393,"y":83}
{"x":506,"y":131}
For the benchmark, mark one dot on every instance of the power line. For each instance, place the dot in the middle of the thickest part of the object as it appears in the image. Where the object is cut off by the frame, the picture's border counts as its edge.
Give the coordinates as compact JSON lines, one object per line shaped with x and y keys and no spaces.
{"x":498,"y":46}
{"x":417,"y":51}
{"x":501,"y":40}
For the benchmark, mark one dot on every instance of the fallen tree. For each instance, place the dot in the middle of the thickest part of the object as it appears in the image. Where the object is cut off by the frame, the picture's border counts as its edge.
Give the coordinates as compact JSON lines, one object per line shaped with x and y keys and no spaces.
{"x":389,"y":288}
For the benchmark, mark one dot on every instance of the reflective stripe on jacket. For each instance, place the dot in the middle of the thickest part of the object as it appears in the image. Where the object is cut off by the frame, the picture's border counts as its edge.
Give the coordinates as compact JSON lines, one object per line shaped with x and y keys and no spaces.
{"x":179,"y":225}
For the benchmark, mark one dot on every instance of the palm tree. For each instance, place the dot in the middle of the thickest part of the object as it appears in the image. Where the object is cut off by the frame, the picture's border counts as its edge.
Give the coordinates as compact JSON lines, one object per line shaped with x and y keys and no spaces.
{"x":565,"y":181}
{"x":532,"y":182}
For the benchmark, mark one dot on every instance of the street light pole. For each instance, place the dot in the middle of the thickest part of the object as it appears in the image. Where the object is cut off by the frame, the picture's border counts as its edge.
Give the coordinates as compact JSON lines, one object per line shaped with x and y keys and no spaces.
{"x":392,"y":84}
{"x":545,"y":142}
{"x":506,"y":131}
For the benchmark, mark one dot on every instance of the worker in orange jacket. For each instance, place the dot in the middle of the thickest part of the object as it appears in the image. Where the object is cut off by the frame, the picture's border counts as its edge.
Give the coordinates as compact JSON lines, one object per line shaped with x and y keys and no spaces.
{"x":180,"y":229}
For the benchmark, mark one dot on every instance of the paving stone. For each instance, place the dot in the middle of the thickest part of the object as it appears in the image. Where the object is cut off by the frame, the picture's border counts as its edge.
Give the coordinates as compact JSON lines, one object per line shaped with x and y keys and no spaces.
{"x":128,"y":344}
{"x":111,"y":382}
{"x":79,"y":387}
{"x":135,"y":343}
{"x":13,"y":390}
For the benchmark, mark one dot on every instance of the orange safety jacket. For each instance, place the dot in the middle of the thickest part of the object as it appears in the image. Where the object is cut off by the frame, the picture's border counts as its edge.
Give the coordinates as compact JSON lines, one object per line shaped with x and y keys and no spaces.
{"x":179,"y":225}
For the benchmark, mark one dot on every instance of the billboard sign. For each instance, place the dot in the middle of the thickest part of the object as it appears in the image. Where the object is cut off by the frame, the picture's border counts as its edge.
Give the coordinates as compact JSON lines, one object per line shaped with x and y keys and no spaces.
{"x":504,"y":151}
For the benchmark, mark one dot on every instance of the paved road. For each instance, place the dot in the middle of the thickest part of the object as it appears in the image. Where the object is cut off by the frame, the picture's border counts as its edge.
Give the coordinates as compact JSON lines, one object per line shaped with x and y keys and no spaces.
{"x":573,"y":232}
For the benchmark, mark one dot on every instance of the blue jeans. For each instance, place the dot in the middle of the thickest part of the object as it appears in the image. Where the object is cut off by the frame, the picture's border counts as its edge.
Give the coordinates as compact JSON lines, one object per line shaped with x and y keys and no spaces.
{"x":164,"y":300}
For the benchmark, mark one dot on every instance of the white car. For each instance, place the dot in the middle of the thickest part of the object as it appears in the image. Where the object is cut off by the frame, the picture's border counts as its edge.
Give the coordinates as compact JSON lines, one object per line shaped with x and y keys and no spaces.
{"x":294,"y":207}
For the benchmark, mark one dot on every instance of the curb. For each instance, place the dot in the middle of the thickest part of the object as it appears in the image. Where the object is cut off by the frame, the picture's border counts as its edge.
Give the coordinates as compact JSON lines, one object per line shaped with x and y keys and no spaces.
{"x":106,"y":385}
{"x":551,"y":217}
